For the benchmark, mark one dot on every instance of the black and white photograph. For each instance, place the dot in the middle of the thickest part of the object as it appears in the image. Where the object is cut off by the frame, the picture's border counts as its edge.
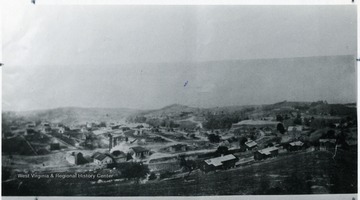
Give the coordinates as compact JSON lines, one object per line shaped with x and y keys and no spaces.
{"x":178,"y":100}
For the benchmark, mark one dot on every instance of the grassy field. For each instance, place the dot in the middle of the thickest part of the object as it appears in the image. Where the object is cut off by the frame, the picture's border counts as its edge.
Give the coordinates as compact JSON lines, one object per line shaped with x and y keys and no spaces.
{"x":296,"y":173}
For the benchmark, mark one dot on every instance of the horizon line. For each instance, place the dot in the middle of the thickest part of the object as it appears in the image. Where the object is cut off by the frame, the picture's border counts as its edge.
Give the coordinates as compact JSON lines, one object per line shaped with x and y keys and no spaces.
{"x":169,"y":105}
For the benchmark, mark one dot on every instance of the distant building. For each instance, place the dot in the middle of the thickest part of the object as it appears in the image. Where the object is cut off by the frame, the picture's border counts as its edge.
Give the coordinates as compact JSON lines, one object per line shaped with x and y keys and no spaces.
{"x":139,"y":152}
{"x":268,"y":130}
{"x":115,"y":140}
{"x":295,"y":146}
{"x":178,"y":148}
{"x":245,"y":127}
{"x":115,"y":127}
{"x":129,"y":133}
{"x":119,"y":156}
{"x":101,"y":131}
{"x":46,"y":129}
{"x":250,"y":145}
{"x":76,"y":158}
{"x":295,"y":129}
{"x":155,"y":139}
{"x":327,"y":144}
{"x":102,"y":159}
{"x":218,"y":163}
{"x":45,"y":124}
{"x":138,"y":132}
{"x":31,"y":125}
{"x":139,"y":126}
{"x":61,"y":130}
{"x":125,"y":128}
{"x":266,"y":153}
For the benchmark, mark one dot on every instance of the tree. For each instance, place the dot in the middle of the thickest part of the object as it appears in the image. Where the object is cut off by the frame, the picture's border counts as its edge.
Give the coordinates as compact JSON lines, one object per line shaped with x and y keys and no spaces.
{"x":188,"y":165}
{"x":279,"y":118}
{"x":242,"y":140}
{"x":135,"y":170}
{"x":152,"y":176}
{"x":297,"y":121}
{"x":214,"y":138}
{"x":222,"y":150}
{"x":280,"y":127}
{"x":102,"y":124}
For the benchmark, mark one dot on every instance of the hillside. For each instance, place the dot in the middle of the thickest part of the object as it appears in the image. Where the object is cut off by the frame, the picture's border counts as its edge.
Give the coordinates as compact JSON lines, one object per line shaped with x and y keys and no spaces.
{"x":74,"y":115}
{"x":168,"y":111}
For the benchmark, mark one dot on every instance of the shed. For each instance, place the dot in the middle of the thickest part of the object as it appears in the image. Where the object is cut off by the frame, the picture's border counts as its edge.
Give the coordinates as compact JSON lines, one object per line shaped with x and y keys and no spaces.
{"x":266,"y":153}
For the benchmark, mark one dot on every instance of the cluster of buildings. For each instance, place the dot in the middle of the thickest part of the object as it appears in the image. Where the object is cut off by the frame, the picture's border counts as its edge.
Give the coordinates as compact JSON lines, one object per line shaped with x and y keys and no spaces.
{"x":251,"y":127}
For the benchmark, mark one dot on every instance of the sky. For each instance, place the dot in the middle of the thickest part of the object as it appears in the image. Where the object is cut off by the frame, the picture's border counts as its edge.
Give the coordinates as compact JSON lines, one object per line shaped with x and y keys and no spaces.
{"x":148,"y":57}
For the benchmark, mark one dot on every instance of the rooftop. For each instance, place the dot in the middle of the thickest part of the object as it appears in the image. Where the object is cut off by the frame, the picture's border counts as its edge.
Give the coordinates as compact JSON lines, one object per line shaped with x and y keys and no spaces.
{"x":100,"y":156}
{"x":256,"y":122}
{"x":100,"y":131}
{"x":297,"y":143}
{"x":267,"y":151}
{"x":250,"y":143}
{"x":327,"y":140}
{"x":218,"y":161}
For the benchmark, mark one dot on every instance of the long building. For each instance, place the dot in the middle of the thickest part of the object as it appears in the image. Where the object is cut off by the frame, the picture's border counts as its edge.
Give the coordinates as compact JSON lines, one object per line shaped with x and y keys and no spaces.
{"x":246,"y":127}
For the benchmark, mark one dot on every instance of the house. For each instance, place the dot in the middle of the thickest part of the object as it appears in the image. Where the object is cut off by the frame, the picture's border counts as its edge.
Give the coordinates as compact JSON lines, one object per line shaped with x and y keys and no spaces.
{"x":155,"y":139}
{"x":138,"y":132}
{"x":141,"y":141}
{"x":45,"y":124}
{"x":89,"y":125}
{"x":75,"y":134}
{"x":31,"y":125}
{"x":267,"y":130}
{"x":139,"y":152}
{"x":139,"y":126}
{"x":125,"y":128}
{"x":84,"y":129}
{"x":218,"y":163}
{"x":266,"y":153}
{"x":101,"y":131}
{"x":46,"y":129}
{"x":327,"y":144}
{"x":295,"y":146}
{"x":129,"y":133}
{"x":115,"y":127}
{"x":61,"y":130}
{"x":178,"y":148}
{"x":115,"y":140}
{"x":249,"y":145}
{"x":102,"y":159}
{"x":119,"y":156}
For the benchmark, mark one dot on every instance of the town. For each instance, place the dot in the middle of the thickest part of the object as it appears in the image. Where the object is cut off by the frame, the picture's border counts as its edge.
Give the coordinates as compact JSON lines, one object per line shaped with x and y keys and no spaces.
{"x":180,"y":145}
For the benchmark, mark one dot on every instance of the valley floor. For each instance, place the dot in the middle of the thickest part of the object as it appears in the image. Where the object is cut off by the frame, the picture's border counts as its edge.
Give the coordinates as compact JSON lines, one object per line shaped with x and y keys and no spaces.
{"x":295,"y":173}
